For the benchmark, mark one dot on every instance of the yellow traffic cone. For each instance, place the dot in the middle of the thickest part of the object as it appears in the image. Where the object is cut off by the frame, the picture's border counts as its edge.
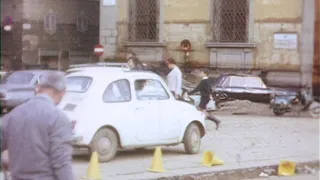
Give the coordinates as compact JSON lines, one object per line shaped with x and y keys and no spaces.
{"x":94,"y":172}
{"x":157,"y":165}
{"x":286,"y":168}
{"x":216,"y":161}
{"x":207,"y":158}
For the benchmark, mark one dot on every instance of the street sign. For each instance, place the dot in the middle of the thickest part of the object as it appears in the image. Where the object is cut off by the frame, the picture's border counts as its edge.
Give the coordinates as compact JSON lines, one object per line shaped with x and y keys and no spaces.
{"x":98,"y":50}
{"x":8,"y":22}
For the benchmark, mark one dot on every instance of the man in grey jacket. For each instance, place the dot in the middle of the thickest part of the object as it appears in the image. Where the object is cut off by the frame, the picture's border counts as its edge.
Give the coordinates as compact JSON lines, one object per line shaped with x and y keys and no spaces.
{"x":38,"y":135}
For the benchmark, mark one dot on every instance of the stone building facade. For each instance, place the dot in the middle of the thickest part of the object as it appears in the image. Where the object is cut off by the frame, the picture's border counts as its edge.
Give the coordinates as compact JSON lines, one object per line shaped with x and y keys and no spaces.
{"x":42,"y":30}
{"x":243,"y":34}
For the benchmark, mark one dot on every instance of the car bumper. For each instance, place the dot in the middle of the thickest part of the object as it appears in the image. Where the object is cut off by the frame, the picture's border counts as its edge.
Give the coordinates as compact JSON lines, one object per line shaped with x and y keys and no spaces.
{"x":78,"y":146}
{"x":7,"y":103}
{"x":77,"y":141}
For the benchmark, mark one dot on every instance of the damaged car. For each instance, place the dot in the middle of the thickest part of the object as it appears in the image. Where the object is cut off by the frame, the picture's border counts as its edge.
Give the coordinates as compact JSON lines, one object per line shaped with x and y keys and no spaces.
{"x":246,"y":87}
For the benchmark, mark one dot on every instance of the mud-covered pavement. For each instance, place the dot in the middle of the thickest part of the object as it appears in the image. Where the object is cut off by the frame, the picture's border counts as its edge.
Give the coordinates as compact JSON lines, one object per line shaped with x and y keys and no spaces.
{"x":242,"y":142}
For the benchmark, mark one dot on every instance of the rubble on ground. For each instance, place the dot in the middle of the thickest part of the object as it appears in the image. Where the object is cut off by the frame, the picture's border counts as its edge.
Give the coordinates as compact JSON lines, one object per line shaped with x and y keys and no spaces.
{"x":243,"y":107}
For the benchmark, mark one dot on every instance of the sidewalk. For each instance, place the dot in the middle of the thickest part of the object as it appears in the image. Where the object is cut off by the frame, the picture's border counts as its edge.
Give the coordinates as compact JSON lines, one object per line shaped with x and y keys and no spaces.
{"x":242,"y":142}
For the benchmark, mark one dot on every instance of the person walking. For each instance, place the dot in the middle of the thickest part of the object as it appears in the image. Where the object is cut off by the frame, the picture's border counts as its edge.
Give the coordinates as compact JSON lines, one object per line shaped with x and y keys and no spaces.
{"x":205,"y":91}
{"x":135,"y":64}
{"x":38,"y":135}
{"x":174,"y":78}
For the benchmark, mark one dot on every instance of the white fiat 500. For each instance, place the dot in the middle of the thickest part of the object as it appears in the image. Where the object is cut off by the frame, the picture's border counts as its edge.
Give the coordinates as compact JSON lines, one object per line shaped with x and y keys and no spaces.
{"x":114,"y":109}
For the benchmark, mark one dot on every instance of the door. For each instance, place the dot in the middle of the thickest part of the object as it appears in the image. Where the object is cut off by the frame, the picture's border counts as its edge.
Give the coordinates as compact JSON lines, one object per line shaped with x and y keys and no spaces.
{"x":234,"y":87}
{"x":146,"y":111}
{"x":169,"y":117}
{"x":256,"y":90}
{"x":117,"y":99}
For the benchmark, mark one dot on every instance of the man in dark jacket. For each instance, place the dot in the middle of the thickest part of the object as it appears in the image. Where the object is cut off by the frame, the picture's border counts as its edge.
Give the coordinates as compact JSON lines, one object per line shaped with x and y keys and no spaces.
{"x":205,"y":91}
{"x":135,"y":64}
{"x":38,"y":135}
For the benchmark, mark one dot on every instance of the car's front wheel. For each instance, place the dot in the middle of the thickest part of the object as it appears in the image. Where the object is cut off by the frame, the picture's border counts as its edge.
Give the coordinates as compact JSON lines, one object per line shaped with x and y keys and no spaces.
{"x":192,"y":139}
{"x":105,"y":143}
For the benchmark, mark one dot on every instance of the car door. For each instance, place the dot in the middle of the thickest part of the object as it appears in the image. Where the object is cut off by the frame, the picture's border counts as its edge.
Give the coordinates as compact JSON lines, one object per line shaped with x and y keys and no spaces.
{"x":118,"y":102}
{"x":169,"y":117}
{"x":235,"y":88}
{"x":256,"y":90}
{"x":146,"y":112}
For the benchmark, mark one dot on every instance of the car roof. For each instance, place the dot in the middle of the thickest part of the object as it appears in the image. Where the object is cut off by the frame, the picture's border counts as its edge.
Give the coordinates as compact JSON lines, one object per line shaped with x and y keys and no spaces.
{"x":100,"y":64}
{"x":111,"y":74}
{"x":37,"y":72}
{"x":239,"y":75}
{"x":95,"y":68}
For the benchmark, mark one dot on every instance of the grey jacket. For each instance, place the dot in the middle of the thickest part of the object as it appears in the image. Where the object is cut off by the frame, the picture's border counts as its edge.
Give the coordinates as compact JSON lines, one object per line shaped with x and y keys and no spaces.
{"x":38,"y":137}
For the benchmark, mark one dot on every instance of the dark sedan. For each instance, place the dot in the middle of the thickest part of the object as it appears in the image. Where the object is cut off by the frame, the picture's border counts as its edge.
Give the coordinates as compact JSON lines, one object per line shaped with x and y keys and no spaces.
{"x":246,"y":87}
{"x":17,"y":87}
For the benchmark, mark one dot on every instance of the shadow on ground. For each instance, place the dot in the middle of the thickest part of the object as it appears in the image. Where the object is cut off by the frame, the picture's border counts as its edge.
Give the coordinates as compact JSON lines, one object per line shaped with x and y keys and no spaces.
{"x":134,"y":154}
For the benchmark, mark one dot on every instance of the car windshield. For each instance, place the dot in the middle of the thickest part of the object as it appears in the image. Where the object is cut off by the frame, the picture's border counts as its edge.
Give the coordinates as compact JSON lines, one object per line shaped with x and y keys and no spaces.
{"x":18,"y":78}
{"x":78,"y":84}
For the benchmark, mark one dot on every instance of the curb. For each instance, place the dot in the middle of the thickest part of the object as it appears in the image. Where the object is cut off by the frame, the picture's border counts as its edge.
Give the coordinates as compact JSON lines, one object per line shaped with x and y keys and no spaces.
{"x":309,"y":167}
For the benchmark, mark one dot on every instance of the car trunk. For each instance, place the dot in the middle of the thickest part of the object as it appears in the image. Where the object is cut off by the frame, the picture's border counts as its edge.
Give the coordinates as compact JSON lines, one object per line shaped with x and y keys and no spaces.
{"x":10,"y":87}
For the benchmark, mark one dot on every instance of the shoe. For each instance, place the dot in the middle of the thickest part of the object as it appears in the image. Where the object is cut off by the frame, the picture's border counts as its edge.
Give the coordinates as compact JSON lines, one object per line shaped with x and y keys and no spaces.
{"x":217,"y":125}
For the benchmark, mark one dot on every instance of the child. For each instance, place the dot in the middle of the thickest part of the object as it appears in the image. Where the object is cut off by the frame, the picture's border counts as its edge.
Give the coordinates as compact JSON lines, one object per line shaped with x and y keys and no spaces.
{"x":205,"y":90}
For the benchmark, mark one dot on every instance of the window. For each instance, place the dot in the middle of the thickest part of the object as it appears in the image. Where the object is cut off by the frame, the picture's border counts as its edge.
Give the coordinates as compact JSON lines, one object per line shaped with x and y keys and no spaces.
{"x":117,"y":91}
{"x":237,"y":81}
{"x":50,"y":22}
{"x":230,"y":21}
{"x":150,"y":90}
{"x":254,"y":82}
{"x":226,"y":82}
{"x":19,"y":78}
{"x":78,"y":84}
{"x":143,"y":20}
{"x":82,"y":22}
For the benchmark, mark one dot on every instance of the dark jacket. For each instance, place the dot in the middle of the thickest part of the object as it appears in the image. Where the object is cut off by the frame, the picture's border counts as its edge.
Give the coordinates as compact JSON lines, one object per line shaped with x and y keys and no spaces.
{"x":204,"y":87}
{"x":138,"y":67}
{"x":38,"y":137}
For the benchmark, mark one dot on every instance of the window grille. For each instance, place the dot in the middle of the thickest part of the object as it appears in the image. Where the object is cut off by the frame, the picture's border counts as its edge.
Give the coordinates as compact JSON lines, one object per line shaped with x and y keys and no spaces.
{"x":144,"y":20}
{"x":230,"y":21}
{"x":50,"y":22}
{"x":82,"y":22}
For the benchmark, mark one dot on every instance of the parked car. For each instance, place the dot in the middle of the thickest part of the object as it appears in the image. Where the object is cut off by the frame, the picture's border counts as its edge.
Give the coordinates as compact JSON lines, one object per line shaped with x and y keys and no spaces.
{"x":17,"y":87}
{"x":2,"y":75}
{"x":246,"y":87}
{"x":113,"y":110}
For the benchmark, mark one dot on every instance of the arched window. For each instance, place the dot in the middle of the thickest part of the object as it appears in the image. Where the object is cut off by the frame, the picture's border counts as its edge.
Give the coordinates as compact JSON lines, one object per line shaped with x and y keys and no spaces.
{"x":50,"y":22}
{"x":82,"y":22}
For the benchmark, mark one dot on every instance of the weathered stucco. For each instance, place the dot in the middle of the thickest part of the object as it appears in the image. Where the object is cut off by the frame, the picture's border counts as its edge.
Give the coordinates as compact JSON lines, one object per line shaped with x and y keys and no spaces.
{"x":190,"y":19}
{"x":272,"y":16}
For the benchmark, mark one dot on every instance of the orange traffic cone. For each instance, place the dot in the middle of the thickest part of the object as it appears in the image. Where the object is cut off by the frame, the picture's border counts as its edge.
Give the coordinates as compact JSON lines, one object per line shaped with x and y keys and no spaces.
{"x":157,"y":164}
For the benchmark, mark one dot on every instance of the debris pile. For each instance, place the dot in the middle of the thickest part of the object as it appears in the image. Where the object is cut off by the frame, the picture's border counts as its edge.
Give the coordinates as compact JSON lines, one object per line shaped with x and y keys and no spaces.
{"x":243,"y":107}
